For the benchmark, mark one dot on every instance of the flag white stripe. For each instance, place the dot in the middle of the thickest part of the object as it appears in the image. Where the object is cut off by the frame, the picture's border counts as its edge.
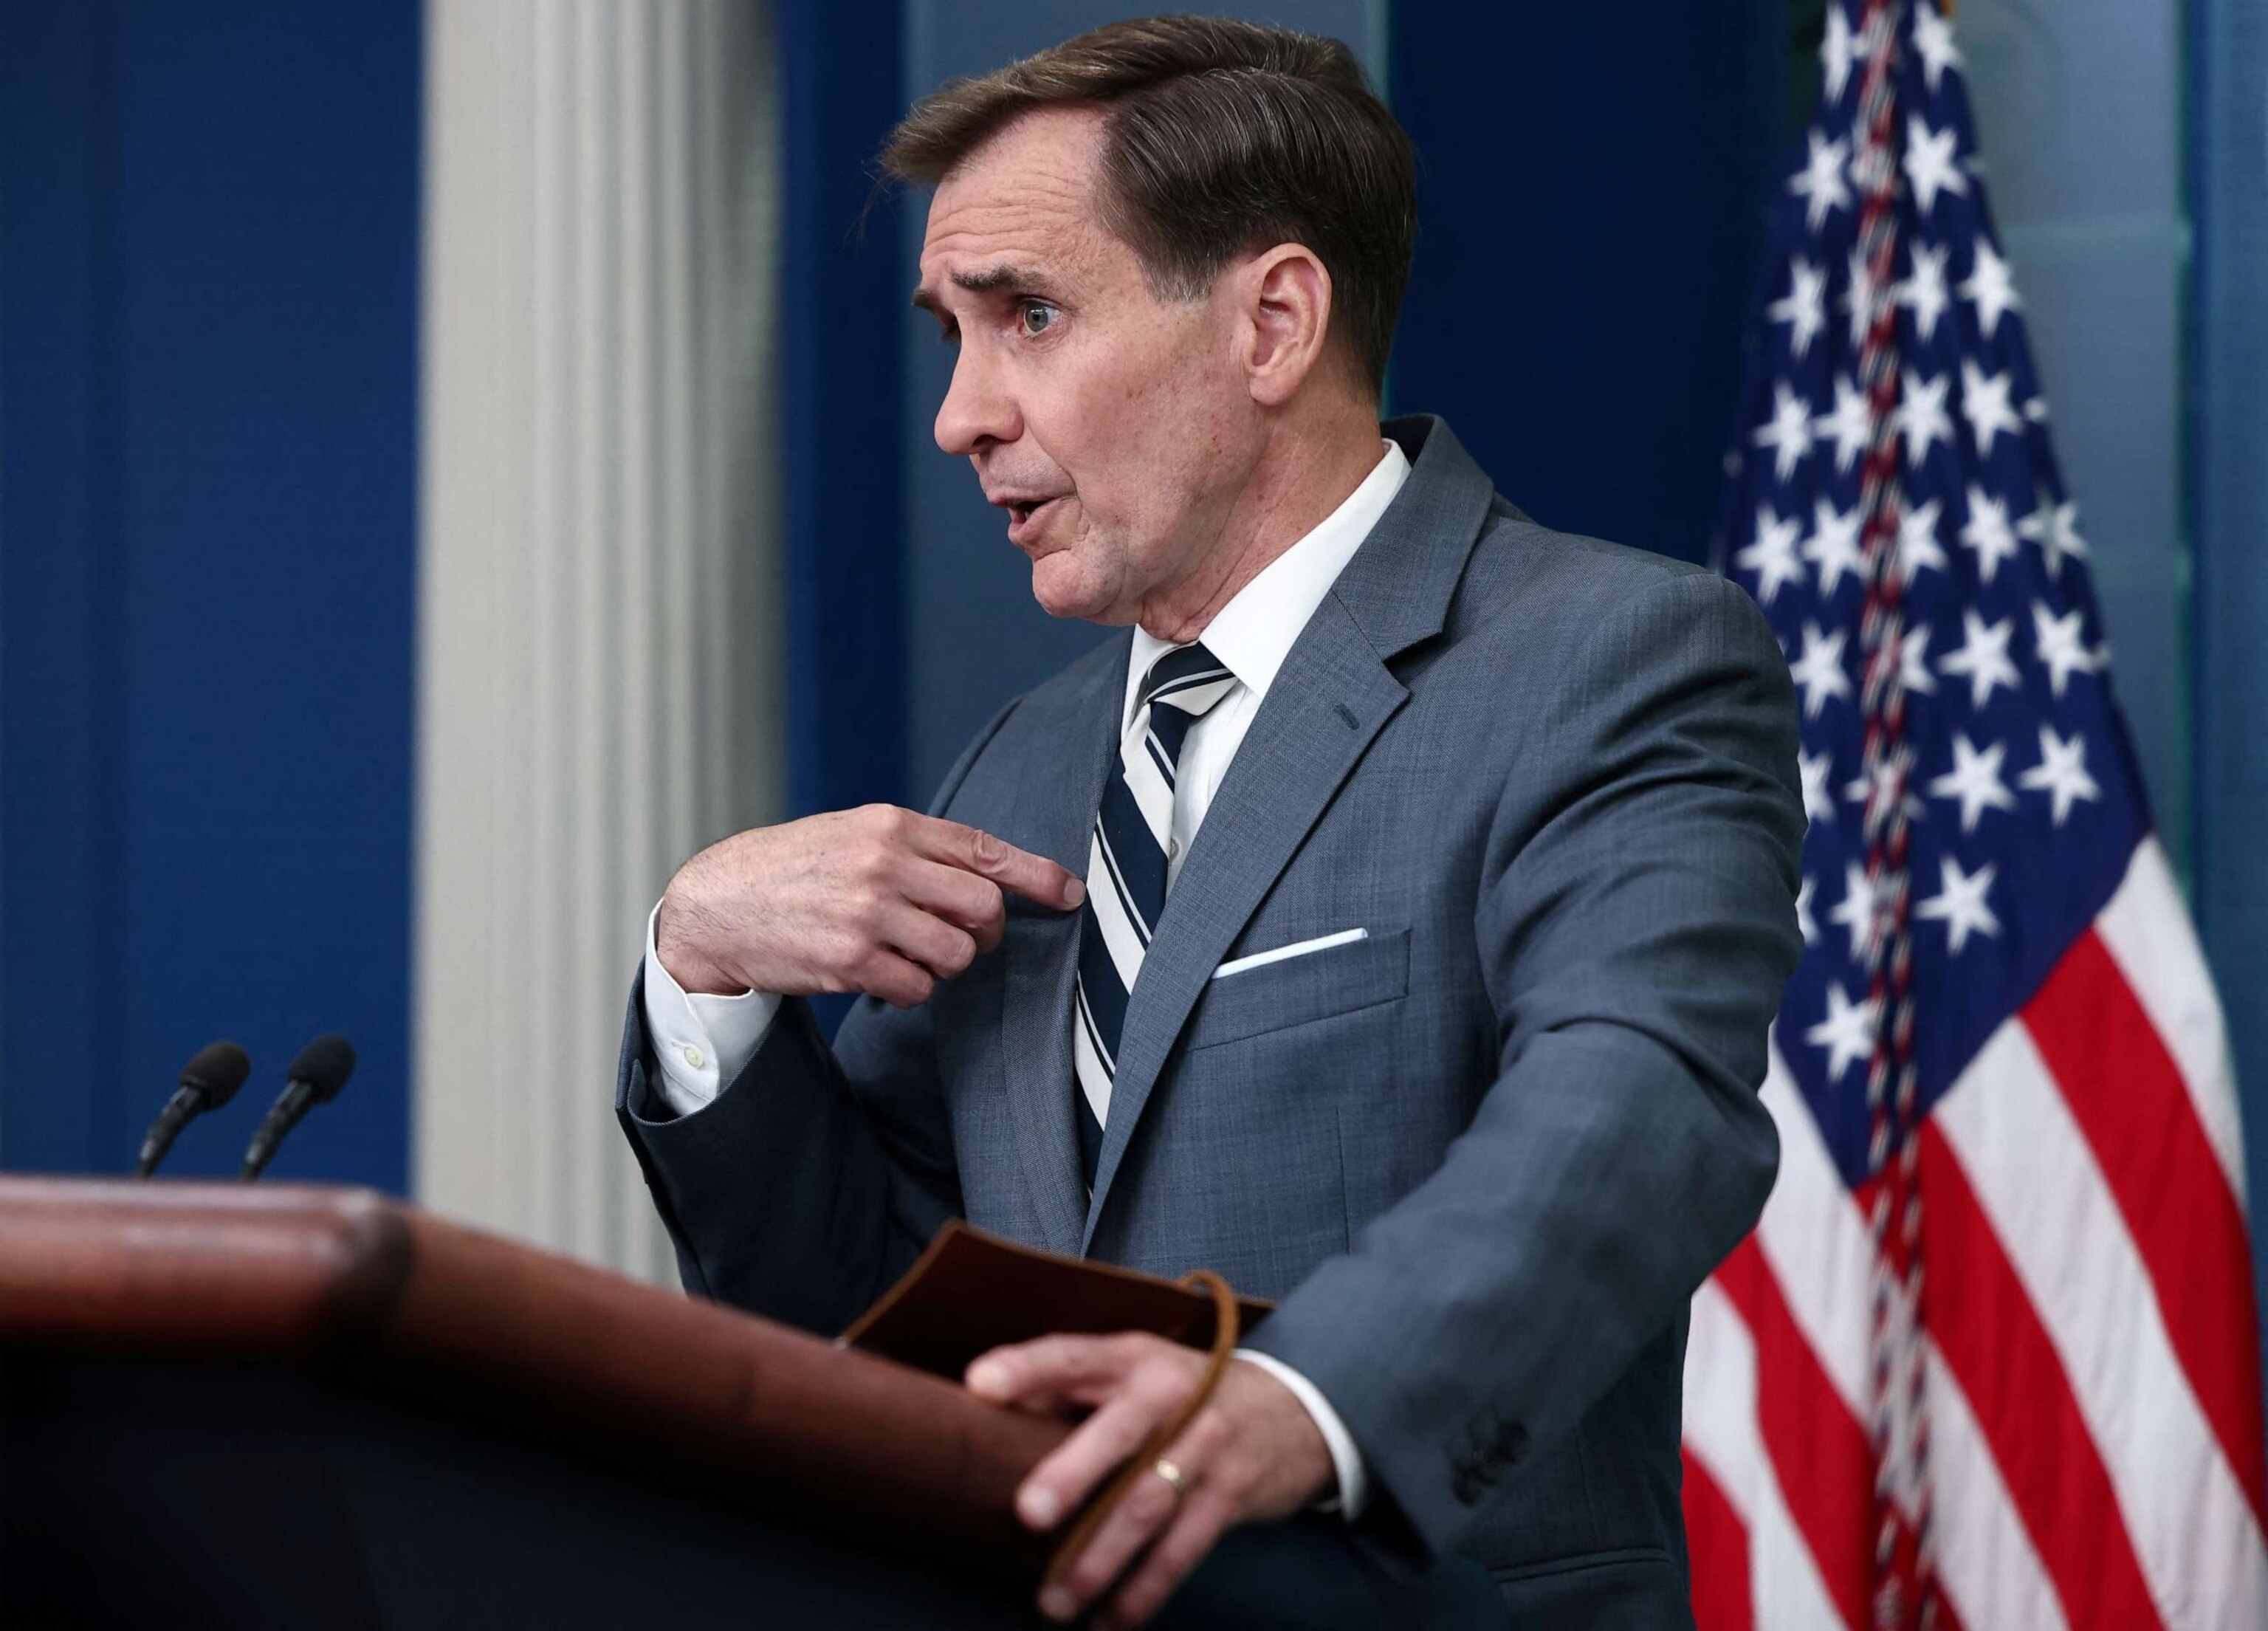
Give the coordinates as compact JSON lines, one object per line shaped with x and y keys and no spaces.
{"x":2038,"y":1184}
{"x":1989,"y":1570}
{"x":1118,"y":937}
{"x":2147,"y":930}
{"x":1814,"y":1240}
{"x":1721,"y":1431}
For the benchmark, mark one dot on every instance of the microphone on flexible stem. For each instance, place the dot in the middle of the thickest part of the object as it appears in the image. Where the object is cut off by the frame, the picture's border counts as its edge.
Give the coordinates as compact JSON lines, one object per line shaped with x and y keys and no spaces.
{"x":316,"y":1078}
{"x":206,"y":1082}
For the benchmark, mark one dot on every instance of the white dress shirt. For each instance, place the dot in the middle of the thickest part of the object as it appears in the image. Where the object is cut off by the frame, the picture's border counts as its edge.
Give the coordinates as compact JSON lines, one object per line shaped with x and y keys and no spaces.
{"x":702,"y":1041}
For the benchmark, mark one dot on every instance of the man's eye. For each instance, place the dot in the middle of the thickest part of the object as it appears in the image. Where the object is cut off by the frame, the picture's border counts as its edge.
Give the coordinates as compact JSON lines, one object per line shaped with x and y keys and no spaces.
{"x":1037,"y":317}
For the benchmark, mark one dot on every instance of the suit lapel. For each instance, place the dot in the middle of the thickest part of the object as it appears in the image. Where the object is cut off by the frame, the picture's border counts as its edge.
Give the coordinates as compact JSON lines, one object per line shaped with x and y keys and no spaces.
{"x":1327,"y":703}
{"x":1332,"y":697}
{"x":1063,"y":790}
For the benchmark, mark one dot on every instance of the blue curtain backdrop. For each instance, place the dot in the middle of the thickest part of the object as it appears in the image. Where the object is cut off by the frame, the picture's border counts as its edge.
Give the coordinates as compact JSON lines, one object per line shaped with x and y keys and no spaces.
{"x":207,"y":368}
{"x":1593,"y":187}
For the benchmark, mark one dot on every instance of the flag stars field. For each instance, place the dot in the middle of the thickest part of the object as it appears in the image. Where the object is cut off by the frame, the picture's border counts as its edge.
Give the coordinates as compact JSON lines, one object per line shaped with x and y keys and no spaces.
{"x":1960,"y":903}
{"x":1847,"y":1033}
{"x":1983,"y":659}
{"x":1819,"y":671}
{"x":2061,"y":773}
{"x":1833,"y":546}
{"x":1924,"y":292}
{"x":2055,"y":528}
{"x":2060,"y":647}
{"x":1989,"y":288}
{"x":1814,"y":769}
{"x":1984,"y":404}
{"x":1921,"y":417}
{"x":1932,"y":168}
{"x":1788,"y":431}
{"x":1821,"y":183}
{"x":1974,"y":782}
{"x":1918,"y":549}
{"x":1773,"y":555}
{"x":1804,"y":308}
{"x":1987,"y":533}
{"x":1850,"y":425}
{"x":1860,"y":913}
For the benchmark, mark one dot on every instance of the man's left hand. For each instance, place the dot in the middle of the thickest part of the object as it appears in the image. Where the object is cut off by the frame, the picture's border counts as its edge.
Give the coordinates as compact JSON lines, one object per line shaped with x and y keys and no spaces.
{"x":1253,"y":1453}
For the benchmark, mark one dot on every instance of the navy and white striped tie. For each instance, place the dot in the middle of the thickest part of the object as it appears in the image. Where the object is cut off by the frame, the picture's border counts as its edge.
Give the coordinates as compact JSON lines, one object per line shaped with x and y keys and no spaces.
{"x":1126,"y":871}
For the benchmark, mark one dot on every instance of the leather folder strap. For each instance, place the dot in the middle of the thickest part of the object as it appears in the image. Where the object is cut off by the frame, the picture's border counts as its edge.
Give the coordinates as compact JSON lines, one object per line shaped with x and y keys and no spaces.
{"x":1224,"y":1347}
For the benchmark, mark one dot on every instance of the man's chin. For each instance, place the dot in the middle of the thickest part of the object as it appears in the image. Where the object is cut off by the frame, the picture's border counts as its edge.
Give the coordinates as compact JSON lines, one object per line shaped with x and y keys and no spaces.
{"x":1063,"y":590}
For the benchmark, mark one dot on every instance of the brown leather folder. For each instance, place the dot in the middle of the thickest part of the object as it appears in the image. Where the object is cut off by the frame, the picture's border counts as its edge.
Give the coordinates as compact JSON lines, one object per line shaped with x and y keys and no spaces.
{"x":970,"y":1292}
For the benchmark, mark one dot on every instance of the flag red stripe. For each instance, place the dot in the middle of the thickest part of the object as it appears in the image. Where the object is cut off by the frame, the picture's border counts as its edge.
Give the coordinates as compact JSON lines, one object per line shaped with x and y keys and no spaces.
{"x":2126,"y":1093}
{"x":1818,"y":1449}
{"x":1716,"y":1547}
{"x":1985,"y":1328}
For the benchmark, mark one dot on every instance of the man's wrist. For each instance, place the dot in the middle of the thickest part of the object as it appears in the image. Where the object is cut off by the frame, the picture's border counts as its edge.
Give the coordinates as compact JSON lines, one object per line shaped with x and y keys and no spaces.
{"x":694,"y":974}
{"x":1350,"y":1477}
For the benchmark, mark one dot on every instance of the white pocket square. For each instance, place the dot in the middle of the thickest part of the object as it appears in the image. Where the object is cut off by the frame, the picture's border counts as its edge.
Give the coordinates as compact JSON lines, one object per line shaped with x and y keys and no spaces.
{"x":1299,"y":948}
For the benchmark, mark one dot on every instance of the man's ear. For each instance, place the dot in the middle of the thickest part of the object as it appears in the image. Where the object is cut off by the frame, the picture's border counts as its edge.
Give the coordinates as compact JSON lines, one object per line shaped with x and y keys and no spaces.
{"x":1287,"y":301}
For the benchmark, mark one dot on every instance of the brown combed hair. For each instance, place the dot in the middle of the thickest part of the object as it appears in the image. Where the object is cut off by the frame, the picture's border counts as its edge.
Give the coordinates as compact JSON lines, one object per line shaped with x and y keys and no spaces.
{"x":1220,"y":137}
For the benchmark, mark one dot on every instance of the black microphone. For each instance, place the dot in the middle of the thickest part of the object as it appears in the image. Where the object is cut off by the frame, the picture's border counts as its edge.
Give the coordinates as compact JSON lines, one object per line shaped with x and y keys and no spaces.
{"x":208,"y":1081}
{"x":316,"y":1078}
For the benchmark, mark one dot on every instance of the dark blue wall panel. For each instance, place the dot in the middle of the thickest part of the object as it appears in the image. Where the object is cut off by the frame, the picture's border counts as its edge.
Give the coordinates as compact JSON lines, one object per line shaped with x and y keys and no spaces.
{"x":2228,"y":511}
{"x":208,"y":378}
{"x":841,"y":287}
{"x":1591,"y":185}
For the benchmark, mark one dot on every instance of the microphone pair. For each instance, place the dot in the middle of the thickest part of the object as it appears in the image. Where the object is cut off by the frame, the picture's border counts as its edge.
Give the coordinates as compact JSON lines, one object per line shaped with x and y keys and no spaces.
{"x":210,"y":1080}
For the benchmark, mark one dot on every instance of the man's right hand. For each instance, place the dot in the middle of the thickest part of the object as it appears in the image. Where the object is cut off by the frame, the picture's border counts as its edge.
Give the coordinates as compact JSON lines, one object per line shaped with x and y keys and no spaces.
{"x":878,"y":899}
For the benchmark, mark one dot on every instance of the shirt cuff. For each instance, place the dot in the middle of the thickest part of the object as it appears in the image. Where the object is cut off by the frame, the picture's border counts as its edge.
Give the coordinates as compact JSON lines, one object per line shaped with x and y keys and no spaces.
{"x":701,"y":1041}
{"x":1347,"y":1460}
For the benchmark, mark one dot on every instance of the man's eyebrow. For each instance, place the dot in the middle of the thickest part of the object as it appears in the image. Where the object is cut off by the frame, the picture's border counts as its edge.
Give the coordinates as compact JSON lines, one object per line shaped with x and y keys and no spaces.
{"x":989,"y":280}
{"x":993,"y":279}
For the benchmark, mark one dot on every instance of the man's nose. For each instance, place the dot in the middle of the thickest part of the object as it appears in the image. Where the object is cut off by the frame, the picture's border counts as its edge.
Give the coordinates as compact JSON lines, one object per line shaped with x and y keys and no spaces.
{"x":975,"y":412}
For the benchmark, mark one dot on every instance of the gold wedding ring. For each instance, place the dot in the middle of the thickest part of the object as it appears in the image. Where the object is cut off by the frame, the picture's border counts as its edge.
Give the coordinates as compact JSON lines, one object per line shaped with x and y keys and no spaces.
{"x":1172,"y":1474}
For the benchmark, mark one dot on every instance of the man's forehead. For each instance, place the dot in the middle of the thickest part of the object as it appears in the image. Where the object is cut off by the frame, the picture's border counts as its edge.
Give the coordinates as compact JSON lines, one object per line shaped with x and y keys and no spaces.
{"x":1024,"y":201}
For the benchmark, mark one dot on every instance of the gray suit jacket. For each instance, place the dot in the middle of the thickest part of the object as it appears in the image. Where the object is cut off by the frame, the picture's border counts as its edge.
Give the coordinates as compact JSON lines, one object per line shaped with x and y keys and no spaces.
{"x":1482,"y":1157}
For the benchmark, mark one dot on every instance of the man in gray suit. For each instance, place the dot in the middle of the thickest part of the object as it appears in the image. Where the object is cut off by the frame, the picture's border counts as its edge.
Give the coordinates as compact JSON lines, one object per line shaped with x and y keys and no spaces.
{"x":1390,"y":919}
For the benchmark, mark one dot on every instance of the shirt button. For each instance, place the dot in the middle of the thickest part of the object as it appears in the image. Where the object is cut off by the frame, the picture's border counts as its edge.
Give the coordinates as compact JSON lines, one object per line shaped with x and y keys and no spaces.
{"x":693,"y":1057}
{"x":1173,"y":849}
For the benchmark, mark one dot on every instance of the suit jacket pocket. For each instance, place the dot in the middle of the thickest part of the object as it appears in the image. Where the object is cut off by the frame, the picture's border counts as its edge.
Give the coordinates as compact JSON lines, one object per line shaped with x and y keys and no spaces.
{"x":1275,"y":996}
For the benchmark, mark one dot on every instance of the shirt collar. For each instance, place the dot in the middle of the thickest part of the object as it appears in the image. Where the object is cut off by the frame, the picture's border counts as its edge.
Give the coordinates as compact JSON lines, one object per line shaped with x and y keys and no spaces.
{"x":1256,"y":630}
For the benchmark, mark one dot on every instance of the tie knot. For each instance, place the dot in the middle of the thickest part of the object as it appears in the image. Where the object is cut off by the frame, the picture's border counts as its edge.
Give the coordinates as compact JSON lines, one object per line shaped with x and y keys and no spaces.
{"x":1190,"y":677}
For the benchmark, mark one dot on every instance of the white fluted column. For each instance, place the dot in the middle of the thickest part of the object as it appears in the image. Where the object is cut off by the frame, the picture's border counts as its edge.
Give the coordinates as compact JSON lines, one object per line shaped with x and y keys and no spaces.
{"x":598,"y":675}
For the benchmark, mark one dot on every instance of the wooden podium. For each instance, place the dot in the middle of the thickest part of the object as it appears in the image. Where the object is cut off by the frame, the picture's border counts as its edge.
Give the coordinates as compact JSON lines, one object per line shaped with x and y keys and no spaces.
{"x":303,"y":1407}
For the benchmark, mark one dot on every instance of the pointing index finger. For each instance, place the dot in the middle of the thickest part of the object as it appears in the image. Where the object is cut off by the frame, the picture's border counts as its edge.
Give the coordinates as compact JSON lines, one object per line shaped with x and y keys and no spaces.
{"x":1034,"y":877}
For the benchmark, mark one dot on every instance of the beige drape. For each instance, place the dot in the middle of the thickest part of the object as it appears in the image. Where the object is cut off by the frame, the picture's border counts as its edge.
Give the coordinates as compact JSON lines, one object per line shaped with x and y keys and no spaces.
{"x":598,"y":668}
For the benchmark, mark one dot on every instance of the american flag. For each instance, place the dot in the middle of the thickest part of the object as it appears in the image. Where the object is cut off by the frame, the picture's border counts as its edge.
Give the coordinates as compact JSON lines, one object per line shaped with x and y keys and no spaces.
{"x":1990,"y":1358}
